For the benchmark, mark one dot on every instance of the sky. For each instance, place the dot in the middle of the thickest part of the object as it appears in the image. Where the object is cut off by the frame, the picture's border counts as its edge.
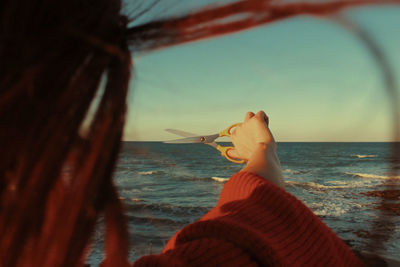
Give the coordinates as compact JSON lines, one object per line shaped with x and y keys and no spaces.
{"x":314,"y":79}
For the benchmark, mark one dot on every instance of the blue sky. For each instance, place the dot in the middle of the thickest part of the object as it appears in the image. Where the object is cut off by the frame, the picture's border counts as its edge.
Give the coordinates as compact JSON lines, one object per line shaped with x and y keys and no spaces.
{"x":314,"y":79}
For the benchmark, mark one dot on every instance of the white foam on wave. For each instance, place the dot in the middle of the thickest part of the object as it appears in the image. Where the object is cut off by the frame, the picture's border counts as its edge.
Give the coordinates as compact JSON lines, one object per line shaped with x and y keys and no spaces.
{"x":220,"y":179}
{"x":351,"y":184}
{"x":372,"y":176}
{"x":332,"y":209}
{"x":364,"y":156}
{"x":149,"y":172}
{"x":331,"y":184}
{"x":132,"y":199}
{"x":309,"y":185}
{"x":337,"y":182}
{"x":306,"y":184}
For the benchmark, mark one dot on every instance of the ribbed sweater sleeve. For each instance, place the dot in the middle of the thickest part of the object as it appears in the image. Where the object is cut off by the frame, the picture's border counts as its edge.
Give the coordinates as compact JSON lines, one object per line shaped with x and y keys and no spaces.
{"x":255,"y":223}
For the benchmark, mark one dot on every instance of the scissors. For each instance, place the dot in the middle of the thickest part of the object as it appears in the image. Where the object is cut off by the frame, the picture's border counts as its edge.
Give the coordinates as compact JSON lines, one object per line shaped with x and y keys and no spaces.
{"x":208,"y":140}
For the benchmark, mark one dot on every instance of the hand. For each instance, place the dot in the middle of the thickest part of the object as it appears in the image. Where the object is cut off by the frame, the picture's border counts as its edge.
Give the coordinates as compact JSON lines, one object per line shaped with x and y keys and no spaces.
{"x":254,"y":143}
{"x":248,"y":136}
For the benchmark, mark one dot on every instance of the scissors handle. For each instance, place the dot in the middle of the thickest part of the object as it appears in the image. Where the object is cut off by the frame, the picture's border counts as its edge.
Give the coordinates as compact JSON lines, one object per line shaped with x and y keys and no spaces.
{"x":224,"y":151}
{"x":227,"y":131}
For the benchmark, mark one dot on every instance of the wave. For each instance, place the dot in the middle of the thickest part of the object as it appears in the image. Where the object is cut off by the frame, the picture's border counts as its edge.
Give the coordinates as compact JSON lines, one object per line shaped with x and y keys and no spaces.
{"x":309,"y":185}
{"x":150,"y":172}
{"x":292,"y":171}
{"x":372,"y":176}
{"x":201,"y":179}
{"x":337,"y":182}
{"x":153,"y":220}
{"x":364,"y":156}
{"x":219,"y":179}
{"x":192,"y":178}
{"x":334,"y":185}
{"x":164,"y":208}
{"x":332,"y":209}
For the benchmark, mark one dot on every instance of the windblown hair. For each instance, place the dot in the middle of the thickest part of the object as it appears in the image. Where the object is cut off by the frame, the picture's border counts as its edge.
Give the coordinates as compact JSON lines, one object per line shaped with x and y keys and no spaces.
{"x":57,"y":158}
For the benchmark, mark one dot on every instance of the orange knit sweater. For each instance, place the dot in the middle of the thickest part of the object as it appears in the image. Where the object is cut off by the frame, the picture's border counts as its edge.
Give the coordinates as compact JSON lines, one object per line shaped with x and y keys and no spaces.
{"x":255,"y":223}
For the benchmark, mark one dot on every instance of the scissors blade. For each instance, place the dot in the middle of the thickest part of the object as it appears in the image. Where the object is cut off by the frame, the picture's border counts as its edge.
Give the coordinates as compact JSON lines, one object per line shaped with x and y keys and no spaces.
{"x":180,"y":133}
{"x":207,"y":139}
{"x":187,"y":140}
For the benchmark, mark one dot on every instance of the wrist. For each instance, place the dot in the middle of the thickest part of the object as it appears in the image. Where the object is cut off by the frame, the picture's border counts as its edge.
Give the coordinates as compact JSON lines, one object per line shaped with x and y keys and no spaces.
{"x":265,"y":163}
{"x":263,"y":150}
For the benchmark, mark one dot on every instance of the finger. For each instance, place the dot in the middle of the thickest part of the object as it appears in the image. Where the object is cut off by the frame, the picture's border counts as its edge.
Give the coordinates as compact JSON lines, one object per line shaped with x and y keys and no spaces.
{"x":233,"y":132}
{"x":261,"y":115}
{"x":233,"y":153}
{"x":248,"y":116}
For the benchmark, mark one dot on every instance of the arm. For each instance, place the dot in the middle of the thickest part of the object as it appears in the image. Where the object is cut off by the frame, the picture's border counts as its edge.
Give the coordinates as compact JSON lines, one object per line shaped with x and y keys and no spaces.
{"x":256,"y":222}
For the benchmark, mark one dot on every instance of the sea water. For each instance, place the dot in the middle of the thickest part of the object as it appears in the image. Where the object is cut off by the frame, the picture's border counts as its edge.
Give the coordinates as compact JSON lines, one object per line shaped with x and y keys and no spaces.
{"x":166,"y":186}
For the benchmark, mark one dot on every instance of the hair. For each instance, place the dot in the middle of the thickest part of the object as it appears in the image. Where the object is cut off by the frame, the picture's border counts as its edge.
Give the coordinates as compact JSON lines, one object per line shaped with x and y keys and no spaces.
{"x":57,"y":157}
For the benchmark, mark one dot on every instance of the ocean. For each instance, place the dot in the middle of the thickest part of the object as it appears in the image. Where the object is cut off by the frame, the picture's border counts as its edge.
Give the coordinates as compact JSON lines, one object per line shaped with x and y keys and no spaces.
{"x":167,"y":186}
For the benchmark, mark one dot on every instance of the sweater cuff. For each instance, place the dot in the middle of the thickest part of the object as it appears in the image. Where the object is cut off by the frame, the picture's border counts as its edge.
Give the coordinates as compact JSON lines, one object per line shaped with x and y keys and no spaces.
{"x":242,"y":184}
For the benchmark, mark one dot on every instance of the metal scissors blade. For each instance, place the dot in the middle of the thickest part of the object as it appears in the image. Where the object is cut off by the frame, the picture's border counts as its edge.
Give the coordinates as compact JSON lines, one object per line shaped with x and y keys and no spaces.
{"x":181,"y":133}
{"x":206,"y":139}
{"x":187,"y":140}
